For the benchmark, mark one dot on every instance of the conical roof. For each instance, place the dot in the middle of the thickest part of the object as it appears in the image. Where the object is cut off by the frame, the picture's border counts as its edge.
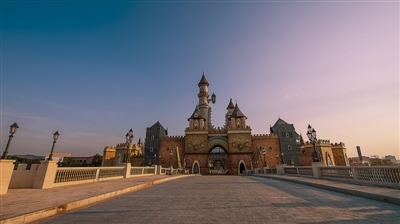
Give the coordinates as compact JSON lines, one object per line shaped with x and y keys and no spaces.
{"x":203,"y":80}
{"x":196,"y":114}
{"x":237,"y":113}
{"x":230,"y":105}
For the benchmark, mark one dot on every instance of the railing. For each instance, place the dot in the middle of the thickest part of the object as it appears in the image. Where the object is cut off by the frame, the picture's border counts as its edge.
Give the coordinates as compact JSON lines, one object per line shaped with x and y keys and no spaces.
{"x":106,"y":172}
{"x":378,"y":175}
{"x":75,"y":174}
{"x":142,"y":170}
{"x":302,"y":171}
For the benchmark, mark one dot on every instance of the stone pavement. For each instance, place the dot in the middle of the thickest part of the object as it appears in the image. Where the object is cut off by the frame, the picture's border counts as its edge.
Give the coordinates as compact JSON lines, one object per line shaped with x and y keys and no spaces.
{"x":27,"y":205}
{"x":232,"y":199}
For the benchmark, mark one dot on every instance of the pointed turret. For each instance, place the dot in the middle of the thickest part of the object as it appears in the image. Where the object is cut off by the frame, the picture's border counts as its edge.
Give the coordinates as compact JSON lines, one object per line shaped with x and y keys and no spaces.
{"x":237,"y":113}
{"x":196,"y":114}
{"x":140,"y":140}
{"x":230,"y":105}
{"x":203,"y":81}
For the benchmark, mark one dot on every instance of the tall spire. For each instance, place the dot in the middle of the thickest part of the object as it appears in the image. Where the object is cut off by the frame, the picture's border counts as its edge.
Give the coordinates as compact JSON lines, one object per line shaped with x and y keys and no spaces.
{"x":203,"y":80}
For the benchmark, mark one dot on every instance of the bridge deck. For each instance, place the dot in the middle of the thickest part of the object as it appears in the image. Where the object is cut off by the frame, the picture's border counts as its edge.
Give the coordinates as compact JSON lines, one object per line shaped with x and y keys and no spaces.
{"x":25,"y":205}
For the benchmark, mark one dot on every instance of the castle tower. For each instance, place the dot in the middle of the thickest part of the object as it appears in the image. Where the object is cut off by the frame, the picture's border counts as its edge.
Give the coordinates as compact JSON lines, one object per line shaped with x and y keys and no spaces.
{"x":237,"y":119}
{"x":228,"y":114}
{"x":196,"y":121}
{"x":204,"y":107}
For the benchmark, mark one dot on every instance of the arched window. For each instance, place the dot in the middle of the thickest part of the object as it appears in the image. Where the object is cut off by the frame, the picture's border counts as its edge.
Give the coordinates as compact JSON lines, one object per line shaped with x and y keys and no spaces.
{"x":152,"y":137}
{"x":151,"y":149}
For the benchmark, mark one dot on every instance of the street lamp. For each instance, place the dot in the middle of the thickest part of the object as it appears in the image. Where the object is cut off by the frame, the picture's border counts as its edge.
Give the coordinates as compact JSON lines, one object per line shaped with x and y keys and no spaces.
{"x":55,"y":137}
{"x":129,"y":139}
{"x":13,"y":128}
{"x":312,"y":136}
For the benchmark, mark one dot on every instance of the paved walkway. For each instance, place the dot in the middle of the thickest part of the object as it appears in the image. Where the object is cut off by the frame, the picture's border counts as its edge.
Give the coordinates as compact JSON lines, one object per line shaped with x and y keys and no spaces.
{"x":232,"y":199}
{"x":27,"y":205}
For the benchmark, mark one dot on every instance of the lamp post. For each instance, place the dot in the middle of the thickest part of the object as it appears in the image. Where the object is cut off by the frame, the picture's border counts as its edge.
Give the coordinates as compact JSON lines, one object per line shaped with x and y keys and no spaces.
{"x":312,"y":136}
{"x":55,"y":137}
{"x":129,"y":139}
{"x":155,"y":156}
{"x":13,"y":128}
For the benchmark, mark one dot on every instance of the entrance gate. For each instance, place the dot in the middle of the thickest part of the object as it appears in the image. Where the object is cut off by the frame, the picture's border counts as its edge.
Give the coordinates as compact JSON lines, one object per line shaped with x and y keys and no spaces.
{"x":218,"y":160}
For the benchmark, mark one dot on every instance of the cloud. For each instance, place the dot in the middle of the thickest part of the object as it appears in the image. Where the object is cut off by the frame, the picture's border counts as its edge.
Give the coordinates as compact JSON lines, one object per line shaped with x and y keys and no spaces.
{"x":22,"y":115}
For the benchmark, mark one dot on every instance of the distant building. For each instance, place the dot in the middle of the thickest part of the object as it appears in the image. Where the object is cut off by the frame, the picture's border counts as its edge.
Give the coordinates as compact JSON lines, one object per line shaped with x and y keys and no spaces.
{"x":58,"y":156}
{"x":120,"y":154}
{"x":84,"y":160}
{"x":391,"y":159}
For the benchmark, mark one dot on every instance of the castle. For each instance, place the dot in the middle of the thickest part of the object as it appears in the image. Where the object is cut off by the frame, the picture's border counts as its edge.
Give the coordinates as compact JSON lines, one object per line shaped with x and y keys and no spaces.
{"x":231,"y":149}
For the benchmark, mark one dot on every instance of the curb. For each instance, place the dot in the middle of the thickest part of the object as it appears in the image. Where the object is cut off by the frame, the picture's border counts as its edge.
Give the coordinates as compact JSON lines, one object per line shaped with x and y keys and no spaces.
{"x":44,"y":213}
{"x":377,"y":197}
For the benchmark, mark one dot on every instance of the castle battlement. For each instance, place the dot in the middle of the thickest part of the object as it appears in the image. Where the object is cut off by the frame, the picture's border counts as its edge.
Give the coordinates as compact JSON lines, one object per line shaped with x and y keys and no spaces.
{"x":179,"y":137}
{"x":338,"y":144}
{"x":264,"y":135}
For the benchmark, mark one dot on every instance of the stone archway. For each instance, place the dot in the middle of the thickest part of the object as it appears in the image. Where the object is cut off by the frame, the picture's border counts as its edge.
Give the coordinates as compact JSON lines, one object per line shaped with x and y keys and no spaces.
{"x":218,"y":160}
{"x":242,"y":168}
{"x":195,"y":167}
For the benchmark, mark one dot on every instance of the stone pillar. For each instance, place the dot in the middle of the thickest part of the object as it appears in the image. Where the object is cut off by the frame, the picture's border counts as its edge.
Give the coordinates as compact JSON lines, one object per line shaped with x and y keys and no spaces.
{"x":317,"y":170}
{"x":6,"y":170}
{"x":45,"y":175}
{"x":127,"y":170}
{"x":280,"y":169}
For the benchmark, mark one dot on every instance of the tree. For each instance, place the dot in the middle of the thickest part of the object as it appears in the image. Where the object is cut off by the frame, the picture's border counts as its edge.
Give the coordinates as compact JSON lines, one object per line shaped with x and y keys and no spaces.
{"x":97,"y":160}
{"x":70,"y":162}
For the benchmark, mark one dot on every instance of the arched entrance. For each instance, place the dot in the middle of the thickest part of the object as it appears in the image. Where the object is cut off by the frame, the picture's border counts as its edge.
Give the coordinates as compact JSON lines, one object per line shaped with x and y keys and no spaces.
{"x":195,"y":167}
{"x":218,"y":160}
{"x":242,"y":168}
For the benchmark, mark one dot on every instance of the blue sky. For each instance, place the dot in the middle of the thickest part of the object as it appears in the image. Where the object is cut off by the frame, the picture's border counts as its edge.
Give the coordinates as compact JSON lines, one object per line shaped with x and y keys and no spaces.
{"x":94,"y":69}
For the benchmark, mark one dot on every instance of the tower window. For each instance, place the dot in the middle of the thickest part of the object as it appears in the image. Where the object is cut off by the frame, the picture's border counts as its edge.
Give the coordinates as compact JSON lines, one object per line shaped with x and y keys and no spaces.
{"x":289,"y":147}
{"x":151,"y":149}
{"x":152,"y":137}
{"x":287,"y":135}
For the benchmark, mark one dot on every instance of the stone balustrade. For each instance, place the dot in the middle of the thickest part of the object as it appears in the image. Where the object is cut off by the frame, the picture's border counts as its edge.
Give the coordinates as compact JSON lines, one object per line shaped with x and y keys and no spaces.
{"x":388,"y":176}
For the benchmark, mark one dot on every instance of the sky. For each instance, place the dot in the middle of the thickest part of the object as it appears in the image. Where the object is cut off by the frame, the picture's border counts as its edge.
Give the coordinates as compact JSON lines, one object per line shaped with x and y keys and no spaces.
{"x":94,"y":69}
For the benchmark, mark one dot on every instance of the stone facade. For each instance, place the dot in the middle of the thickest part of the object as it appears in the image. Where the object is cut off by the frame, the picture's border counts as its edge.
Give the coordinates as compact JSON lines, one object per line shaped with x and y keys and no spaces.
{"x":117,"y":155}
{"x":152,"y":147}
{"x":288,"y":142}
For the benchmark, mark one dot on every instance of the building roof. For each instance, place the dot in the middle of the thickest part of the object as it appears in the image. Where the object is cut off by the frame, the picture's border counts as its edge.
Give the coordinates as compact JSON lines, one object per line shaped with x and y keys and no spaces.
{"x":196,"y":114}
{"x":203,"y":80}
{"x":280,"y":121}
{"x":237,"y":113}
{"x":157,"y":125}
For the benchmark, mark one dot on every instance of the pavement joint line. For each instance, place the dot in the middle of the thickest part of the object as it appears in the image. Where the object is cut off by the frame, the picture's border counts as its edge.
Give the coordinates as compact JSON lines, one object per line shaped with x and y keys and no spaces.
{"x":374,"y":196}
{"x":47,"y":212}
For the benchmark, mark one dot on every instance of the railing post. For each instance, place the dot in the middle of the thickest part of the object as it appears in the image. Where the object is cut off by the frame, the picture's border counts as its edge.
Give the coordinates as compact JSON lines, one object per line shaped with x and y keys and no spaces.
{"x":280,"y":169}
{"x":45,"y":175}
{"x":127,"y":170}
{"x":6,"y":171}
{"x":97,"y":174}
{"x":355,"y":174}
{"x":316,"y":167}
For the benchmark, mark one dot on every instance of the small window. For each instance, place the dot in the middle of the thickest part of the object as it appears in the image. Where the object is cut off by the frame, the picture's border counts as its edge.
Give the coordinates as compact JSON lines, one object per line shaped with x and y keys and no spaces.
{"x":289,"y":147}
{"x":152,"y":137}
{"x":151,"y":149}
{"x":270,"y":147}
{"x":196,"y":115}
{"x":287,"y":135}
